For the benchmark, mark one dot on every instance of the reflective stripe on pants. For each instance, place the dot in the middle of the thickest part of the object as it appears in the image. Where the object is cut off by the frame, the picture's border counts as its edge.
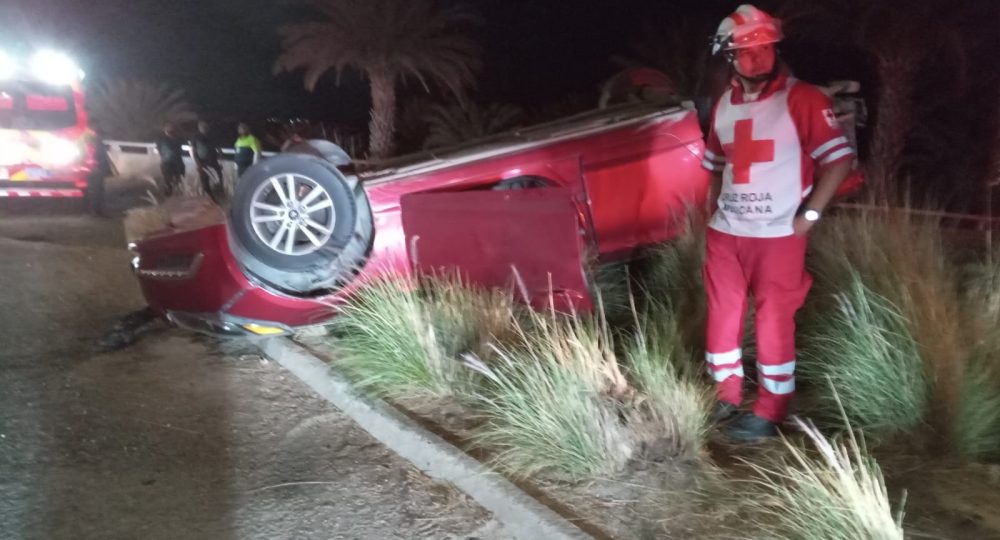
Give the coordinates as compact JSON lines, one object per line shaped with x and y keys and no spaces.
{"x":773,"y":270}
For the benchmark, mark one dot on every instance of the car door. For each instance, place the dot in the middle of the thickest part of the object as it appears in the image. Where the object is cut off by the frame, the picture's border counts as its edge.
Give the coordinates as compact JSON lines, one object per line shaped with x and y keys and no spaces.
{"x":529,"y":239}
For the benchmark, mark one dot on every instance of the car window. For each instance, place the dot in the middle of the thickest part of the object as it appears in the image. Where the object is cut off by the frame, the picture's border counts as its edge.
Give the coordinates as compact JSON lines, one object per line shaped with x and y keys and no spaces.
{"x":35,"y":106}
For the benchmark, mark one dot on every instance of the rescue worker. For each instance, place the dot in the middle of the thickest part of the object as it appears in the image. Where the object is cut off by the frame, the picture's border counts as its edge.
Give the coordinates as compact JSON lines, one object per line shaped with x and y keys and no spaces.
{"x":205,"y":156}
{"x":777,"y":156}
{"x":168,"y":145}
{"x":247,"y":149}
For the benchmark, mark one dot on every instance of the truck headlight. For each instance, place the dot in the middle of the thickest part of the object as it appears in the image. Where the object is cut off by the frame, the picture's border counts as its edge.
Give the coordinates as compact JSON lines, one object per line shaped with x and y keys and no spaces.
{"x":7,"y":66}
{"x":60,"y":152}
{"x":55,"y":68}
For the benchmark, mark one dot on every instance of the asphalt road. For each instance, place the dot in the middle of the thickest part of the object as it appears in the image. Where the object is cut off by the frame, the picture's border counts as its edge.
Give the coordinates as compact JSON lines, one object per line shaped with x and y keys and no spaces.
{"x":178,"y":436}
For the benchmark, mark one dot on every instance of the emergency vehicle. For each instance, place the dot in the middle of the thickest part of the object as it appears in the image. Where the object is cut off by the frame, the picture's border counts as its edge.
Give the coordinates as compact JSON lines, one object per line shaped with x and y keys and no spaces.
{"x":46,"y":146}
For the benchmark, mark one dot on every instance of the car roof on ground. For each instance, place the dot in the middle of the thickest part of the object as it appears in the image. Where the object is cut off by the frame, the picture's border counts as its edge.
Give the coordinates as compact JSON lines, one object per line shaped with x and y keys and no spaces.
{"x":520,"y":139}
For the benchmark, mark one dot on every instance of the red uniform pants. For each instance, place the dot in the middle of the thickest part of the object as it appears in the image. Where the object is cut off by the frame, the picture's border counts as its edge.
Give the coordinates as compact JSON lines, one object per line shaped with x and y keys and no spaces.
{"x":773,"y":271}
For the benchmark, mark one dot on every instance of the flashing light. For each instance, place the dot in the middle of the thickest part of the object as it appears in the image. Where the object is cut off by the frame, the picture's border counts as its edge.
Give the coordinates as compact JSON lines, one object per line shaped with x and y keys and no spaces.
{"x":55,"y":68}
{"x":60,"y":152}
{"x":12,"y":152}
{"x":7,"y":66}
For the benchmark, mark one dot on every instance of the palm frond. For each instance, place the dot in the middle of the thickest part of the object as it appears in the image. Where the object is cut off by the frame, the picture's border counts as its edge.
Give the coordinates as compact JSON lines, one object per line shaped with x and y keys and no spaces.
{"x":136,"y":109}
{"x":457,"y":123}
{"x":412,"y":39}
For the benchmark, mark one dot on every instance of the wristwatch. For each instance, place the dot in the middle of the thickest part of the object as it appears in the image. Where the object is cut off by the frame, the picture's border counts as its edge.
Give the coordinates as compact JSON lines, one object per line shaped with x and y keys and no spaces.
{"x":811,"y":215}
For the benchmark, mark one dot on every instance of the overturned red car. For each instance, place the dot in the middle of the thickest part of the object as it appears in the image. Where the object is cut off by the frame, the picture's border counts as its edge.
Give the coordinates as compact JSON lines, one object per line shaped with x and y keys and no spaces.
{"x":303,"y":230}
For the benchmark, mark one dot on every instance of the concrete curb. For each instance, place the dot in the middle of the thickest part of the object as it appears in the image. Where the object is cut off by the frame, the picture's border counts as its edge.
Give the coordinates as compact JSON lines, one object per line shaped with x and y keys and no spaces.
{"x":520,"y":513}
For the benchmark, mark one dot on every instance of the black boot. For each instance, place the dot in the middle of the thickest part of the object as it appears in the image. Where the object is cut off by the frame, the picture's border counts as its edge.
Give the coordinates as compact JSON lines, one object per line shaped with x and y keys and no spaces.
{"x":723,"y":410}
{"x":751,"y":427}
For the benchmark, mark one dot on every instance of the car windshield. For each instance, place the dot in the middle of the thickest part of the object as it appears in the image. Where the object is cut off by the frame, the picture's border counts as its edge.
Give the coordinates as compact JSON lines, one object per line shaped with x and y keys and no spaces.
{"x":35,"y":106}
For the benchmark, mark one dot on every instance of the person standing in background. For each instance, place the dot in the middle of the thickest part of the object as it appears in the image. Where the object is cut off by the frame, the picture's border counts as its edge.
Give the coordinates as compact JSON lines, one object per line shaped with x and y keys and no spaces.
{"x":247,"y":148}
{"x":168,"y":145}
{"x":205,"y":156}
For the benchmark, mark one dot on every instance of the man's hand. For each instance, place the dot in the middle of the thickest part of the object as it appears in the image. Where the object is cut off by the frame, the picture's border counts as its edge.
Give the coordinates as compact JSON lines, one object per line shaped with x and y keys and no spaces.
{"x":802,"y":225}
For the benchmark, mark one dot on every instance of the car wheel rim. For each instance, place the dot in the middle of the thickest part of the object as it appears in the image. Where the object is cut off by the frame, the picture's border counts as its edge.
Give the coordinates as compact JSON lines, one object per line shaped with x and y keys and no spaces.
{"x":292,"y":214}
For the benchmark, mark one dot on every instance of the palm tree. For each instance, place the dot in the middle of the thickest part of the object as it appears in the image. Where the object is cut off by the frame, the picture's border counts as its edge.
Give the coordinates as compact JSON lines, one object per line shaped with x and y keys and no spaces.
{"x":678,"y":49}
{"x":136,"y":110}
{"x":457,"y":123}
{"x":387,"y":40}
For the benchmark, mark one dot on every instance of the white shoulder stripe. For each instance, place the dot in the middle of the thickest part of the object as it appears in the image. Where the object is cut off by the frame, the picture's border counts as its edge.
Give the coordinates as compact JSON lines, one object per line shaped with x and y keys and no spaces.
{"x":827,"y":146}
{"x":833,"y":156}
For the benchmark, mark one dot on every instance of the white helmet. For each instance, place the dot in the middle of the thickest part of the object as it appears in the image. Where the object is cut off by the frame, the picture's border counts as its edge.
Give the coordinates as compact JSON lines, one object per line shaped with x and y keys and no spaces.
{"x":746,"y":27}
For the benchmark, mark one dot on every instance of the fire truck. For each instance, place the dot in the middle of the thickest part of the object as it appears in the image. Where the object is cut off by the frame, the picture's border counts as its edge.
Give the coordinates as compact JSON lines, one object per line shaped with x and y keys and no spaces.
{"x":46,"y":146}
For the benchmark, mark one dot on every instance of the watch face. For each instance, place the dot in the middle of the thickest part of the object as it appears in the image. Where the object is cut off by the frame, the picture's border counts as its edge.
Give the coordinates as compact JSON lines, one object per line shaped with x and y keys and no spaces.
{"x":811,"y":215}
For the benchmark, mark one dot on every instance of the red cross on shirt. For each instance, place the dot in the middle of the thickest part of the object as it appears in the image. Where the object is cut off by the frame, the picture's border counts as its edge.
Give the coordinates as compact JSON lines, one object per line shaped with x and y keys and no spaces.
{"x":745,"y":151}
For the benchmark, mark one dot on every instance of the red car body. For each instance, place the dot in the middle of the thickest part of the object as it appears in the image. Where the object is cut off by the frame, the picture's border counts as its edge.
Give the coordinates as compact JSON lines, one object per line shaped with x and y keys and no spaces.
{"x":614,"y":181}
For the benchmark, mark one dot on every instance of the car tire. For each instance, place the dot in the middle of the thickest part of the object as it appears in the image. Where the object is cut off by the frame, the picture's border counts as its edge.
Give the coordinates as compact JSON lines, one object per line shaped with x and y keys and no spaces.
{"x":331,"y":229}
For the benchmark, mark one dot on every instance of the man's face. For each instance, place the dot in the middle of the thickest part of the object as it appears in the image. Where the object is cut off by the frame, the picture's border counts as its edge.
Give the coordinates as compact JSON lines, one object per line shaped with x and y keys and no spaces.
{"x":754,"y":61}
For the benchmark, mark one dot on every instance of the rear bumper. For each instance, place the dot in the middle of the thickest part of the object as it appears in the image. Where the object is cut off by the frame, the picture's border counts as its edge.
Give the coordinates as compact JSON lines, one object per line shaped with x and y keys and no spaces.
{"x":193,"y":280}
{"x":40,"y":189}
{"x":69,"y":185}
{"x":222,"y":324}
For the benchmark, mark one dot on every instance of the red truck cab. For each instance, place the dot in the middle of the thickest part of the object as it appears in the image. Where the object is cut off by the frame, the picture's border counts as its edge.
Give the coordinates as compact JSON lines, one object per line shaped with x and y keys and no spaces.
{"x":46,"y":146}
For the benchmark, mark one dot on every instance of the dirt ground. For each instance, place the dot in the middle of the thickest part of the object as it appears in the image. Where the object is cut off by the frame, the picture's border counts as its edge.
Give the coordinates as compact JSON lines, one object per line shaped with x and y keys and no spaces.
{"x":179,"y":436}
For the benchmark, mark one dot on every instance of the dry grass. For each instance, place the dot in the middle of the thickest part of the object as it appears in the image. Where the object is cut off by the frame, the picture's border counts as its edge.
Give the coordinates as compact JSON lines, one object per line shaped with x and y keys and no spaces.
{"x":861,"y":343}
{"x":673,"y":399}
{"x":559,"y":402}
{"x":466,"y":318}
{"x":832,"y":491}
{"x":902,"y":266}
{"x":977,"y":428}
{"x":140,"y":222}
{"x":398,"y":340}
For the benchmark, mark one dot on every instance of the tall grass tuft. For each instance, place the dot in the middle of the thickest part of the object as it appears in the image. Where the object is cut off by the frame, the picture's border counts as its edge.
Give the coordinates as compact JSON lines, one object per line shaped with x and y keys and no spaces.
{"x":862,"y":344}
{"x":558,"y":402}
{"x":401,"y":338}
{"x":977,"y":428}
{"x":668,"y":280}
{"x":539,"y":416}
{"x":673,"y":399}
{"x":387,"y":344}
{"x":611,"y":285}
{"x":467,"y":318}
{"x":835,"y":491}
{"x":889,"y":262}
{"x":548,"y":403}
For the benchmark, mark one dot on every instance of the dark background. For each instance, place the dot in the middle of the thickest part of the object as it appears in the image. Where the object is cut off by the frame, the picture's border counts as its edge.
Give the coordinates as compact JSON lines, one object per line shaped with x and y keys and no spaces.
{"x":221,"y":51}
{"x":550,"y":56}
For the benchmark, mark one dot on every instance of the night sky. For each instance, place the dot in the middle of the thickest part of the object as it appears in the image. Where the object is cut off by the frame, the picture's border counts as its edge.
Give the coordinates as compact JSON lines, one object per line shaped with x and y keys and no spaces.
{"x":221,"y":51}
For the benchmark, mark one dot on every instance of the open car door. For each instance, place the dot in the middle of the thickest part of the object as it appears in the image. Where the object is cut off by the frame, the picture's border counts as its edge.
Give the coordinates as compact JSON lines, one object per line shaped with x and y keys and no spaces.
{"x":528,"y":239}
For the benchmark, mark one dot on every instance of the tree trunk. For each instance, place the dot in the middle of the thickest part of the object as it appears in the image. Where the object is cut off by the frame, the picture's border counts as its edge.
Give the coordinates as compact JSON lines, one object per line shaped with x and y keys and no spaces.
{"x":897,"y":68}
{"x":382,"y":126}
